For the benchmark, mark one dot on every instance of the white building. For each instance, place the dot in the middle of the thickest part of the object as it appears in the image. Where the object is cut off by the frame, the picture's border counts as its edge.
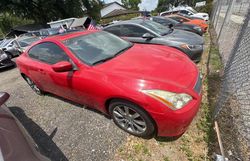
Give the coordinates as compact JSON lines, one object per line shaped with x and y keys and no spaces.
{"x":110,"y":7}
{"x":69,"y":22}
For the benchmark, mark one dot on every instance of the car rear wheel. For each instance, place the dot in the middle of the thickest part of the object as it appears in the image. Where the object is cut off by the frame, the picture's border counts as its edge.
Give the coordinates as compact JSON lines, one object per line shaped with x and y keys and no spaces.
{"x":33,"y":86}
{"x":132,"y":119}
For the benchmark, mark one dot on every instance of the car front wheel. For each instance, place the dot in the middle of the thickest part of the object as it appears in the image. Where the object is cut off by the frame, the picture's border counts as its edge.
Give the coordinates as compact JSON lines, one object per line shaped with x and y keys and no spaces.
{"x":132,"y":118}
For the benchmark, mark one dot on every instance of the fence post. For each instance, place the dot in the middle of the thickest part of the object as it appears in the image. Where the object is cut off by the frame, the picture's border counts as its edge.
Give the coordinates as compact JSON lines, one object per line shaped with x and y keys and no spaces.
{"x":219,"y":9}
{"x":227,"y":17}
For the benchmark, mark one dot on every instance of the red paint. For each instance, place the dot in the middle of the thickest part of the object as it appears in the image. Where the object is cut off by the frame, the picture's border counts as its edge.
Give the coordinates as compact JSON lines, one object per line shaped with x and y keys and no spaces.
{"x":140,"y":67}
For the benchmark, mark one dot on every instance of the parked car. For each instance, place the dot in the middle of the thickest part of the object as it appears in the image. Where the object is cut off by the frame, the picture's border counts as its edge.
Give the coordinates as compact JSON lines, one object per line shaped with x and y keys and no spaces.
{"x":149,"y":32}
{"x":5,"y":60}
{"x":177,"y":25}
{"x":14,"y":47}
{"x":15,"y":142}
{"x":185,"y":20}
{"x":9,"y":46}
{"x":25,"y":41}
{"x":187,"y":10}
{"x":146,"y":89}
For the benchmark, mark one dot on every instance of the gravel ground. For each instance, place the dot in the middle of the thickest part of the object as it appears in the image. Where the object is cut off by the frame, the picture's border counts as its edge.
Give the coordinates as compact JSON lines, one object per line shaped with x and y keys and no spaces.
{"x":63,"y":130}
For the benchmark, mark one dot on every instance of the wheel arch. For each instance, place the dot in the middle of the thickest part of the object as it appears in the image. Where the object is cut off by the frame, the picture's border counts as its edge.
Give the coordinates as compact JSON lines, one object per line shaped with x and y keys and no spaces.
{"x":108,"y":101}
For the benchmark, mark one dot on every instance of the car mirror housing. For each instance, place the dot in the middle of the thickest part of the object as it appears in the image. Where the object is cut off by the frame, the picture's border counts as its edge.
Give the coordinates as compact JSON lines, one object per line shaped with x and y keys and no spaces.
{"x":148,"y":36}
{"x":62,"y":66}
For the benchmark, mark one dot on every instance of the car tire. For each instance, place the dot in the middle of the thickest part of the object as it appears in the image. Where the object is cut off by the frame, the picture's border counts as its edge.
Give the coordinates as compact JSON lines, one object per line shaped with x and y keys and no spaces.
{"x":132,"y":118}
{"x":33,"y":86}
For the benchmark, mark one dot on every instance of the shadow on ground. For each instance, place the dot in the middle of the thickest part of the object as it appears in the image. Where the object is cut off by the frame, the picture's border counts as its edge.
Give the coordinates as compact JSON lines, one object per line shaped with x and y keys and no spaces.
{"x":44,"y":141}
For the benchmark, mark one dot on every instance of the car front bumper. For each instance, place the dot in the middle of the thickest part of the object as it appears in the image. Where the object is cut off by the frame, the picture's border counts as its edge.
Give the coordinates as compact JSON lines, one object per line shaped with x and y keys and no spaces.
{"x":175,"y":123}
{"x":6,"y":63}
{"x":195,"y":53}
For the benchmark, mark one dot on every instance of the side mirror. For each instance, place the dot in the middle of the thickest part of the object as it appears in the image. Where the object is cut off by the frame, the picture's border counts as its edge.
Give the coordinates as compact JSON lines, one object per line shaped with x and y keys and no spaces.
{"x":62,"y":66}
{"x":170,"y":26}
{"x":148,"y":36}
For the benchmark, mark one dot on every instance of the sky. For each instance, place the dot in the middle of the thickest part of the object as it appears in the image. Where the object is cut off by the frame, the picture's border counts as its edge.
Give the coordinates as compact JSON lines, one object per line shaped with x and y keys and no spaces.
{"x":148,"y":5}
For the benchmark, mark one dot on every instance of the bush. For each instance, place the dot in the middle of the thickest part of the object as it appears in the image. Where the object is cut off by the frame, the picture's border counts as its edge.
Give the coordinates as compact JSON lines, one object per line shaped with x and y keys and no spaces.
{"x":8,"y":21}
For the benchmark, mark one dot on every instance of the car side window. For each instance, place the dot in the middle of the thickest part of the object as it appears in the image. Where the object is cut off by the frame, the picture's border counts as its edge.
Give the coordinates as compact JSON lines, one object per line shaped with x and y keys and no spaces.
{"x":48,"y":52}
{"x":184,"y":12}
{"x":132,"y":31}
{"x":114,"y":30}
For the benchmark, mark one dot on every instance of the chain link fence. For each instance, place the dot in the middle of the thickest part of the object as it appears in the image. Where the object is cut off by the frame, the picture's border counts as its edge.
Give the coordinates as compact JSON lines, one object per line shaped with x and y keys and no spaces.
{"x":230,"y":19}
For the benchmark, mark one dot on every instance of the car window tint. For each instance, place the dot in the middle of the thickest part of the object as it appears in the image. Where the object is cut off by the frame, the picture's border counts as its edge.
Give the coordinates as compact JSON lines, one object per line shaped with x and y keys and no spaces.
{"x":48,"y":52}
{"x":179,"y":19}
{"x":114,"y":30}
{"x":132,"y":31}
{"x":184,"y":12}
{"x":162,"y":21}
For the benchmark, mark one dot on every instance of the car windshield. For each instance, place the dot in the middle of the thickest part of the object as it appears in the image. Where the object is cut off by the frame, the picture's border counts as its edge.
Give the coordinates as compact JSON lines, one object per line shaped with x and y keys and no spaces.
{"x":97,"y":48}
{"x":156,"y":27}
{"x":5,"y":42}
{"x":26,"y":42}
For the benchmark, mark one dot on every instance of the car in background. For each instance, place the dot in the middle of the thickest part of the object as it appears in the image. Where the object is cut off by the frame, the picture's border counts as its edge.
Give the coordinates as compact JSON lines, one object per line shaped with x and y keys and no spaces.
{"x":15,"y":142}
{"x":8,"y":45}
{"x":14,"y":47}
{"x":187,"y":10}
{"x":147,"y":89}
{"x":149,"y":32}
{"x":168,"y":22}
{"x":25,"y":41}
{"x":186,"y":20}
{"x":5,"y":60}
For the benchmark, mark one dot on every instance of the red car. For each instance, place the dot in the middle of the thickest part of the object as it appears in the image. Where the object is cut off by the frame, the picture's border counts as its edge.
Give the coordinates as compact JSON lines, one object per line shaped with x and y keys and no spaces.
{"x":146,"y":89}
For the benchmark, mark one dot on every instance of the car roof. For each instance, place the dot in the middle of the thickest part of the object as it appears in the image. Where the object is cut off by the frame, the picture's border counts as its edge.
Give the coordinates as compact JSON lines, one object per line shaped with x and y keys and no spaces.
{"x":68,"y":35}
{"x":133,"y":21}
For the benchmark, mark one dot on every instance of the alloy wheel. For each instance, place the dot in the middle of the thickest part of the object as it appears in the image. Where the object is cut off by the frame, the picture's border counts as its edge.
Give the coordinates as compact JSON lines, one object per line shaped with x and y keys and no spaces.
{"x":129,"y":119}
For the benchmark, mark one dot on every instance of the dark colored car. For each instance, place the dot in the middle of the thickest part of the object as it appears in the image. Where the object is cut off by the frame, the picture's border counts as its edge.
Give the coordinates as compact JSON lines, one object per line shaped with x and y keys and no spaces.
{"x":177,"y":25}
{"x":15,"y":143}
{"x":150,"y":32}
{"x":5,"y":60}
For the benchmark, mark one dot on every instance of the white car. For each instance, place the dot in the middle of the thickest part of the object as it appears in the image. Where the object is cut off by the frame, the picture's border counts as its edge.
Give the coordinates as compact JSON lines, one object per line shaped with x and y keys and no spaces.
{"x":187,"y":10}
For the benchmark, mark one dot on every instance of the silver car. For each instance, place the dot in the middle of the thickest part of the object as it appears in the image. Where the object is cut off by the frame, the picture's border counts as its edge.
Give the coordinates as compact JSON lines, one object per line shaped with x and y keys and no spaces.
{"x":149,"y":32}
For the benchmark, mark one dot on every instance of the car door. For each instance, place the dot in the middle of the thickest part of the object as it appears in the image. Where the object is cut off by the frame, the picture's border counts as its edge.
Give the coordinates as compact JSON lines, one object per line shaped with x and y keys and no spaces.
{"x":134,"y":34}
{"x":45,"y":55}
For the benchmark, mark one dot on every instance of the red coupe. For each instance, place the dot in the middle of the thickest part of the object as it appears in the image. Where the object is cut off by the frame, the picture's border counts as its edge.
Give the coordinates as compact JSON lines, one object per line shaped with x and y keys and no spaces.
{"x":146,"y":89}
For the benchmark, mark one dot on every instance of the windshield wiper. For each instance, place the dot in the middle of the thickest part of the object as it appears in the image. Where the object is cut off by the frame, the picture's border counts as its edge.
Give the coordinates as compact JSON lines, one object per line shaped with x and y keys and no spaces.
{"x":103,"y":60}
{"x":166,"y":33}
{"x":111,"y":57}
{"x":122,"y":50}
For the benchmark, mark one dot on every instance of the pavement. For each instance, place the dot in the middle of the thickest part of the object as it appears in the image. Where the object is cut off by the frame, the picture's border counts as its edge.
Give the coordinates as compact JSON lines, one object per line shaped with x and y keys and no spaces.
{"x":63,"y":130}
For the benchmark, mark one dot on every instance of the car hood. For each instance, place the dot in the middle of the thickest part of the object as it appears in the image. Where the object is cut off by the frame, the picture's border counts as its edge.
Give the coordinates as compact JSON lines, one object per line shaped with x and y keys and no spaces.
{"x":154,"y":63}
{"x":185,"y":37}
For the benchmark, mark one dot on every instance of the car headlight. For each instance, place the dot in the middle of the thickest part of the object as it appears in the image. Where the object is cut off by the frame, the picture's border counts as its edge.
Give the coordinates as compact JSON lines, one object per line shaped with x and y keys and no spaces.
{"x":190,"y":47}
{"x":197,"y":28}
{"x":3,"y":56}
{"x":174,"y":101}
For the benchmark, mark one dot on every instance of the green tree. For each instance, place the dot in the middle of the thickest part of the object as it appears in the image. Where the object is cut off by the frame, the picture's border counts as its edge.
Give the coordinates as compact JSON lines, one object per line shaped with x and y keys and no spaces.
{"x":131,"y":4}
